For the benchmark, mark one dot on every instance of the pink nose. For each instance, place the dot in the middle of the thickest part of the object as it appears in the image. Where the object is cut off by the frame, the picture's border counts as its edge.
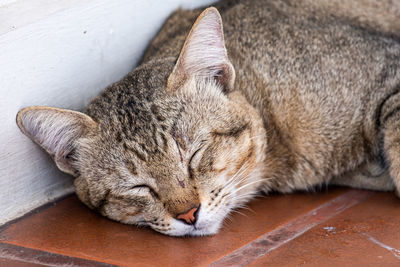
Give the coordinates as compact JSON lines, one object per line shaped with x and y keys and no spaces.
{"x":189,"y":217}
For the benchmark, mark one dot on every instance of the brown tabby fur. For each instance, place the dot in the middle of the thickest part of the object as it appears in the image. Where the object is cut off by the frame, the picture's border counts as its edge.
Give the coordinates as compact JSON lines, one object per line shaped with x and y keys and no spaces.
{"x":309,"y":95}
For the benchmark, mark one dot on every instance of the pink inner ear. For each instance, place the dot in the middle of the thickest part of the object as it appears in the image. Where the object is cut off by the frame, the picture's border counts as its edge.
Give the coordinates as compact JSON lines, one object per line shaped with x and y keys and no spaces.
{"x":204,"y":51}
{"x":53,"y":130}
{"x":56,"y":130}
{"x":204,"y":54}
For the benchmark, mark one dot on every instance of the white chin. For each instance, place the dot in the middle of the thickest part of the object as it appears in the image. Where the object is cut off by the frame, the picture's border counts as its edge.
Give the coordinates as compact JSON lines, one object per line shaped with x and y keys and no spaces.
{"x":203,"y":232}
{"x":187,"y":230}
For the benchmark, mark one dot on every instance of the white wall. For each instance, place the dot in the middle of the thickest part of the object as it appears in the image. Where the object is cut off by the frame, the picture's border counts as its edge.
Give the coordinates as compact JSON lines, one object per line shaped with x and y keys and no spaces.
{"x":61,"y":53}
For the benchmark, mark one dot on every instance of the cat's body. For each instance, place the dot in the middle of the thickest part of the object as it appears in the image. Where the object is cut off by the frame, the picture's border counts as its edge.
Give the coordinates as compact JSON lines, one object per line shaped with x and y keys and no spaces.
{"x":304,"y":97}
{"x":316,"y":79}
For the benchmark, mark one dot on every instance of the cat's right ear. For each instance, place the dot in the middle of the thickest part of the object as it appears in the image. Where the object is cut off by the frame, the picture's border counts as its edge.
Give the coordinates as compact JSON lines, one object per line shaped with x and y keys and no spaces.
{"x":204,"y":54}
{"x":56,"y":131}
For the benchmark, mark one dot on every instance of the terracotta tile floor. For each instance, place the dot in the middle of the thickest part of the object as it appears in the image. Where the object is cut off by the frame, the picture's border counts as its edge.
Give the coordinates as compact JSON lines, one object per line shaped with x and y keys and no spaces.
{"x":337,"y":227}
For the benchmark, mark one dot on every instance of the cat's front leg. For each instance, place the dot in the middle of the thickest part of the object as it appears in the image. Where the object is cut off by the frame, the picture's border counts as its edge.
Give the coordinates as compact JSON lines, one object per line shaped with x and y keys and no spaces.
{"x":392,"y":146}
{"x":388,"y":122}
{"x":368,"y":176}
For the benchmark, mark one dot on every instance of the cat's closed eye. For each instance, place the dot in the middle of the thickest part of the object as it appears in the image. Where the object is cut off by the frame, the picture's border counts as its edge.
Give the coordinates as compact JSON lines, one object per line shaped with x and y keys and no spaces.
{"x":195,"y":158}
{"x":143,"y":190}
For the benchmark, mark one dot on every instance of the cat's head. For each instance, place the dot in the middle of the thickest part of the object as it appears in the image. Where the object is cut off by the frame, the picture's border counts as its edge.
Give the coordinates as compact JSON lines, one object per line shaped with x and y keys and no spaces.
{"x":171,"y":146}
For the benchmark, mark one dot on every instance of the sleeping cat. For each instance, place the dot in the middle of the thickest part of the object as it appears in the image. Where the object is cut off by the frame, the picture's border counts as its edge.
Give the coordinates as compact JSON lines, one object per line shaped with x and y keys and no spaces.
{"x":290,"y":99}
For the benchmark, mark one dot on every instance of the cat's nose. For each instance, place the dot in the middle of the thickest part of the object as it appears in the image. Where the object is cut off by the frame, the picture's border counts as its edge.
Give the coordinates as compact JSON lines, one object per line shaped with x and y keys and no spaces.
{"x":190,"y":216}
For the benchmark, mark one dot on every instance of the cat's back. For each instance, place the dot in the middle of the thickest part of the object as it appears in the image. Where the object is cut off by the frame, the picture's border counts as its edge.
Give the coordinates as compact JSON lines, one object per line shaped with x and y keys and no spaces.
{"x":295,"y":54}
{"x":291,"y":42}
{"x":296,"y":51}
{"x":259,"y":18}
{"x":285,"y":42}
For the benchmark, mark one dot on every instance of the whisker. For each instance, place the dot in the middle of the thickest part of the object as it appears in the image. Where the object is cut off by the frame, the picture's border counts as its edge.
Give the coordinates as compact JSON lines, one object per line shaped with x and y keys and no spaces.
{"x":234,"y":181}
{"x":242,"y":200}
{"x":241,"y":213}
{"x":246,"y":197}
{"x":245,"y":207}
{"x":238,"y":181}
{"x":260,"y":135}
{"x":227,"y":222}
{"x":238,"y":173}
{"x":248,"y":184}
{"x":229,"y":218}
{"x":249,"y":195}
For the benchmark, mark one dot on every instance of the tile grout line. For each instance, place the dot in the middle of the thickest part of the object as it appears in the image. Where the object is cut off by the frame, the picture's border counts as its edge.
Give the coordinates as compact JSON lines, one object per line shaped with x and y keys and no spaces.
{"x":35,"y":211}
{"x":42,"y":257}
{"x":294,"y":228}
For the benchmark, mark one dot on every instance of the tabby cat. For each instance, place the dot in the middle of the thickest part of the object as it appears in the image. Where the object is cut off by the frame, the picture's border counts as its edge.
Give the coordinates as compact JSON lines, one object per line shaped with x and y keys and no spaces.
{"x":293,"y":97}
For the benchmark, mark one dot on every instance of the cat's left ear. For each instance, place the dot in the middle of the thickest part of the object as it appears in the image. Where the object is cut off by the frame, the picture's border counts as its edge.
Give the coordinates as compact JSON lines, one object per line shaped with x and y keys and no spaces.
{"x":204,"y":54}
{"x":57,"y":131}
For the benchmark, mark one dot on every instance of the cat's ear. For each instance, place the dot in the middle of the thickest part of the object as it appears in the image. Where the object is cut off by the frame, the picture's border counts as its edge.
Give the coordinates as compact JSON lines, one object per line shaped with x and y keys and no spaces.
{"x":56,"y":131}
{"x":204,"y":53}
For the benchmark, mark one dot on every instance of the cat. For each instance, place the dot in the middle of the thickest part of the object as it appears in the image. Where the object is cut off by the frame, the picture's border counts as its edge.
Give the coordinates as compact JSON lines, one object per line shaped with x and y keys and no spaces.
{"x":284,"y":97}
